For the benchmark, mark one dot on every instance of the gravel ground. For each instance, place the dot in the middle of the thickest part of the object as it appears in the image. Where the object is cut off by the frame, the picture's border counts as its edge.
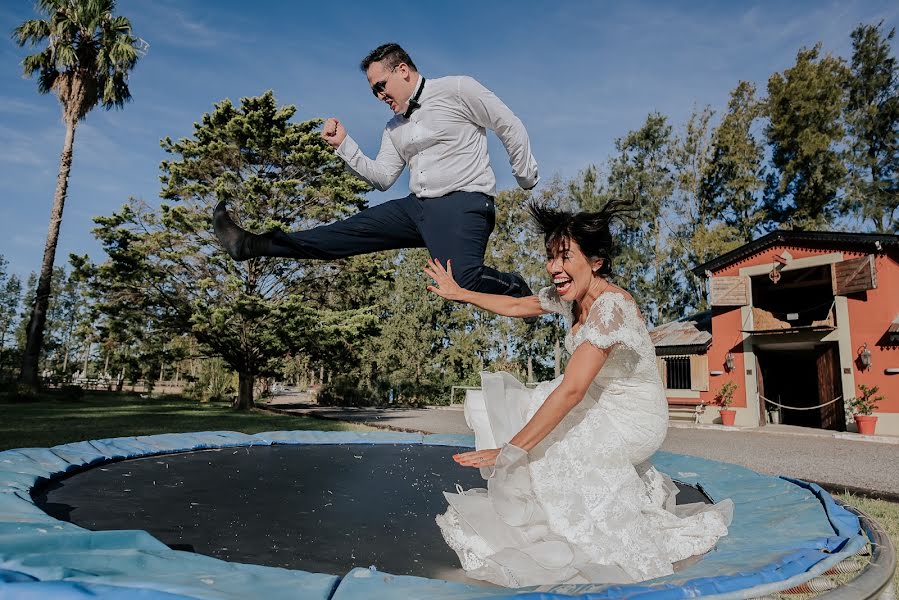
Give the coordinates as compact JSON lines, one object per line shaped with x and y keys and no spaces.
{"x":857,"y":465}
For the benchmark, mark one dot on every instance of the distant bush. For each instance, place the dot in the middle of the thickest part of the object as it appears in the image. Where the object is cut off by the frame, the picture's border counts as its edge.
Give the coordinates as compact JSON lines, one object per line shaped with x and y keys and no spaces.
{"x":214,"y":382}
{"x":348,"y":391}
{"x":71,"y":392}
{"x":344,"y":391}
{"x":20,"y":392}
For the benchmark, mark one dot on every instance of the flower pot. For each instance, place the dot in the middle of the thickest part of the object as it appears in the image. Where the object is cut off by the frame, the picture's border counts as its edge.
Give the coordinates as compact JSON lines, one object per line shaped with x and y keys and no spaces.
{"x":866,"y":424}
{"x":727,"y":416}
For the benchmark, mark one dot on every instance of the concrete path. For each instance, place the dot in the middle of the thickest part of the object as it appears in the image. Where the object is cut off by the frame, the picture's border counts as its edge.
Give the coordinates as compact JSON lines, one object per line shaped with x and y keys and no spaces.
{"x":426,"y":420}
{"x":834,"y":460}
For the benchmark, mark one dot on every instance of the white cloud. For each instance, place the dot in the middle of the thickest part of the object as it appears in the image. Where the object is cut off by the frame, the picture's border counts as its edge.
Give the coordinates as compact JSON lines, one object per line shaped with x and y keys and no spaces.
{"x":23,"y":146}
{"x":15,"y":106}
{"x":164,"y":23}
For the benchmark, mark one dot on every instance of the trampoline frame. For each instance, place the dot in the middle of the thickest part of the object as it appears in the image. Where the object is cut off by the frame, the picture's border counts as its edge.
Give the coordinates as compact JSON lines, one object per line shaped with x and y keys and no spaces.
{"x":22,"y":469}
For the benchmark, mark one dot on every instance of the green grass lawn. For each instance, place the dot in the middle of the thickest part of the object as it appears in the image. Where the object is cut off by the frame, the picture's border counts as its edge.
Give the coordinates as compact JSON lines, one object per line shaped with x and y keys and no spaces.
{"x":53,"y":419}
{"x":885,"y":513}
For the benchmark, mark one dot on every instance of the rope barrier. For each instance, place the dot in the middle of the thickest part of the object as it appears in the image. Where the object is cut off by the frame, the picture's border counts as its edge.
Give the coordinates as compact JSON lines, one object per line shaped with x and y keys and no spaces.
{"x":800,"y":407}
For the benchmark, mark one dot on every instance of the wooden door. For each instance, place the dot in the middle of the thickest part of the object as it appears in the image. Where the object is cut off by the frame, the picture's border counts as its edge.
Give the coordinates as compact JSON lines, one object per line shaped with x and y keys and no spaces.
{"x":760,"y":387}
{"x":829,"y":387}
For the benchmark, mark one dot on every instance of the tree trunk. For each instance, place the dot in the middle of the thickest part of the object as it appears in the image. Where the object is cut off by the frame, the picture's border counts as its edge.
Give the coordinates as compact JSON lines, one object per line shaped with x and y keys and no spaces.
{"x":65,"y":361}
{"x":35,"y":332}
{"x":87,"y":356}
{"x":558,"y":369}
{"x":530,"y":369}
{"x":244,"y":398}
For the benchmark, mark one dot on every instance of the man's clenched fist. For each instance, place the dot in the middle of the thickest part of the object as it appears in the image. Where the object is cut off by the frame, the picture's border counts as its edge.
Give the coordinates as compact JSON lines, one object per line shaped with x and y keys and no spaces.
{"x":333,"y":132}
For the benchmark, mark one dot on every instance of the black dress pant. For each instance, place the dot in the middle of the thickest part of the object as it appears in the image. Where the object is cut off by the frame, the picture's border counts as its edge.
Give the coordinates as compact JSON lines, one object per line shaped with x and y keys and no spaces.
{"x":453,"y":227}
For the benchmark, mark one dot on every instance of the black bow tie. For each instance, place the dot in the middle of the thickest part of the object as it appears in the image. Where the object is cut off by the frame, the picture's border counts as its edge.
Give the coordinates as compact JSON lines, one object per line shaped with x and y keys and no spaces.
{"x":413,"y":102}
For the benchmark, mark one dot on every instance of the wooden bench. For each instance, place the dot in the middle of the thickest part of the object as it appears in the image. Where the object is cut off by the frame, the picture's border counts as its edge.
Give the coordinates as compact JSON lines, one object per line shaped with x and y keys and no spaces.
{"x":686,"y":408}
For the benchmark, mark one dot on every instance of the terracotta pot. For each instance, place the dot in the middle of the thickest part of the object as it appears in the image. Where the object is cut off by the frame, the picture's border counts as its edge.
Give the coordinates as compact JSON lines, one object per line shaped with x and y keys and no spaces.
{"x":866,"y":424}
{"x":727,"y":416}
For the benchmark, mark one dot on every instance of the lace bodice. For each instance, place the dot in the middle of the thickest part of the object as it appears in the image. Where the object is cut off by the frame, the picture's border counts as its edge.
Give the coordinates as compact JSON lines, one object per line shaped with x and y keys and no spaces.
{"x":613,"y":322}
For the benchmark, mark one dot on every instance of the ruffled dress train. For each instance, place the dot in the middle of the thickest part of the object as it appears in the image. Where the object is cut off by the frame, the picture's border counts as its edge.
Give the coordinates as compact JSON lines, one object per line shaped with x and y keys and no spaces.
{"x":583,"y":506}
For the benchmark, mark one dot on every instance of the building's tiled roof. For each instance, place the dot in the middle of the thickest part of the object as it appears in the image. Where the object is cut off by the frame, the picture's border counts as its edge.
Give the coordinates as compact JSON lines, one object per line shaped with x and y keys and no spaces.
{"x":695,"y":330}
{"x":813,"y":239}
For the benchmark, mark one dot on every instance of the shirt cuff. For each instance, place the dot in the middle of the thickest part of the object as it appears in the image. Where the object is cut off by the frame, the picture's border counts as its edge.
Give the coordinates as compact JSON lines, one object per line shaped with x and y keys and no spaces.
{"x":527,"y":183}
{"x":347,"y":149}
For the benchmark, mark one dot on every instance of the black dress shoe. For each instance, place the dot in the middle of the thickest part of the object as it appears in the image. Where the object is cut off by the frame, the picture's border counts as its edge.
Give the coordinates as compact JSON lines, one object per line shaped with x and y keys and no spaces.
{"x":238,"y":243}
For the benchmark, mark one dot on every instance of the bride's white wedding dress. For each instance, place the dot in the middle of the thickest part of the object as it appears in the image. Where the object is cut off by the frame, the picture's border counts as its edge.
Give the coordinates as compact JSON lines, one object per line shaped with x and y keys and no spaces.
{"x":579,"y":507}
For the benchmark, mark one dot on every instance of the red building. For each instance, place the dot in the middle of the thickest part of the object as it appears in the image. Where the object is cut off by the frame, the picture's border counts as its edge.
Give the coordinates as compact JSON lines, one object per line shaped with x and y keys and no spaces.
{"x":798,"y":318}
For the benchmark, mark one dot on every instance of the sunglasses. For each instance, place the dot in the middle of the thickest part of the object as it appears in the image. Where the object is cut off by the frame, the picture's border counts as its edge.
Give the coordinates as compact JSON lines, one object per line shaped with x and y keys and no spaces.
{"x":378,"y":87}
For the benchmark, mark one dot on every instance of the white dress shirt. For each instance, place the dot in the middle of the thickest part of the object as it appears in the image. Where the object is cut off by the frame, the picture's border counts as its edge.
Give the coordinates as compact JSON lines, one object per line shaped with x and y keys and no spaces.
{"x":444,"y":142}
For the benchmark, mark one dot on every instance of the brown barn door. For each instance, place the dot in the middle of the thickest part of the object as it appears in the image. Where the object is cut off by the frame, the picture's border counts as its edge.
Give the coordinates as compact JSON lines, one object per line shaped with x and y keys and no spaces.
{"x":760,"y":386}
{"x":829,"y":387}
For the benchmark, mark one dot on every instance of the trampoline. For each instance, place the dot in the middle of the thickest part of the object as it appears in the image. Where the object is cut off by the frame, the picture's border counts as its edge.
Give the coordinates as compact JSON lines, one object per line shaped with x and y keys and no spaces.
{"x":350,"y":516}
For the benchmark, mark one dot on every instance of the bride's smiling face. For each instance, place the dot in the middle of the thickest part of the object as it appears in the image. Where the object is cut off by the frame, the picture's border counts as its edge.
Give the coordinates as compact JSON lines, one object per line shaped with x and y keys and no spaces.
{"x":571,"y":270}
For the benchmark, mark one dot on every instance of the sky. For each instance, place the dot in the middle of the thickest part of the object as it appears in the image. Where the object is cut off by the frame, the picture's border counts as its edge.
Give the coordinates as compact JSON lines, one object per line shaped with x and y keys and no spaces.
{"x":579,"y":74}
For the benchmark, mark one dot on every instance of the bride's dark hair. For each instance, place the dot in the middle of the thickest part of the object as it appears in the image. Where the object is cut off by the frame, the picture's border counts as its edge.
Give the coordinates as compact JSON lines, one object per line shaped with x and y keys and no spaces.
{"x":591,"y":230}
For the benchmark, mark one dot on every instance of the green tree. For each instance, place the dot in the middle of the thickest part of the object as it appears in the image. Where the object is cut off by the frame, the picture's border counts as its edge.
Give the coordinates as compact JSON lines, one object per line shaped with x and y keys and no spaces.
{"x":643,"y":170}
{"x":68,"y":325}
{"x":872,"y":123}
{"x":88,"y":55}
{"x":128,"y":341}
{"x":689,"y":217}
{"x":516,"y":246}
{"x":804,"y":107}
{"x":54,"y":324}
{"x":10,"y":297}
{"x":734,"y":181}
{"x":166,"y":264}
{"x":413,"y":328}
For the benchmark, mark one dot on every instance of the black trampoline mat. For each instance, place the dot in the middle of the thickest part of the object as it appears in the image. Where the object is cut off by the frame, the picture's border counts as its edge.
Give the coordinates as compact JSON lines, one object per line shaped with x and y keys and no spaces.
{"x":320,"y":508}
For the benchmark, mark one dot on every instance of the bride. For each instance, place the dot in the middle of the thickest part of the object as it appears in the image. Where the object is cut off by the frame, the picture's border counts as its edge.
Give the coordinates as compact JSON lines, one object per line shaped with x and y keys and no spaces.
{"x":568,"y":499}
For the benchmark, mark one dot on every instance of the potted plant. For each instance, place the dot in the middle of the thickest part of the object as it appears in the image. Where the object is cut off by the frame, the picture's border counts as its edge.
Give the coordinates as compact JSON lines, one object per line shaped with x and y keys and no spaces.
{"x":863,"y":405}
{"x":724,"y":397}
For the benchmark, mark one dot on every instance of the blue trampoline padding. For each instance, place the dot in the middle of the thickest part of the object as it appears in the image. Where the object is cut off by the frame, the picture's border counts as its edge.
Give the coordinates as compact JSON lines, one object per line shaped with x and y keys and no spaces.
{"x":64,"y":590}
{"x":784,"y":530}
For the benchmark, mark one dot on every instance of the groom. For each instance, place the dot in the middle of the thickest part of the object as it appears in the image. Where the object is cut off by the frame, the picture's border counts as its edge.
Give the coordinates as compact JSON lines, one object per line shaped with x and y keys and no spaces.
{"x":439,"y":131}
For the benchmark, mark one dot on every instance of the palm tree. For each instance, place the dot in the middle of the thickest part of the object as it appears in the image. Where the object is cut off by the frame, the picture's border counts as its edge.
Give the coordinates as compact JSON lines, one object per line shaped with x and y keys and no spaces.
{"x":88,"y":55}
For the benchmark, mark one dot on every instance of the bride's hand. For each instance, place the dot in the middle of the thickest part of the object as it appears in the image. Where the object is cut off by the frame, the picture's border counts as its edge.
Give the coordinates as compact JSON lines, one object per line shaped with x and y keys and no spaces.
{"x":446,"y":286}
{"x":478,"y":459}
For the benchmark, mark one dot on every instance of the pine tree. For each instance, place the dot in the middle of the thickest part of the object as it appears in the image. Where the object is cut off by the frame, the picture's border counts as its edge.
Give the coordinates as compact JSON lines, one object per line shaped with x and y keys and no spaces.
{"x":872,"y":120}
{"x":166,"y":264}
{"x":804,"y":107}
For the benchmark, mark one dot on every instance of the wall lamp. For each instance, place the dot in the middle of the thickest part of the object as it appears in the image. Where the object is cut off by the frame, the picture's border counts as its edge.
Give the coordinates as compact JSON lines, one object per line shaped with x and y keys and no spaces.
{"x":864,"y":356}
{"x":729,"y":361}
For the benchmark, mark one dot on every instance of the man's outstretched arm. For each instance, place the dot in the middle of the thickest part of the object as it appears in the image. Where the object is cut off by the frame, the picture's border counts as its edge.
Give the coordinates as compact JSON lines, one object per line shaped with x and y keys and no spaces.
{"x":382,"y":172}
{"x":487,"y":110}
